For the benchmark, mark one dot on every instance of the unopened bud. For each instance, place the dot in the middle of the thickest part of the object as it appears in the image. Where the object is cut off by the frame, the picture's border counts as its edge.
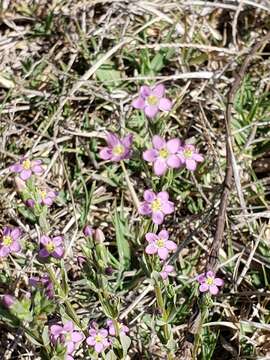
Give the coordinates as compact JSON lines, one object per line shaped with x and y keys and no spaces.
{"x":87,"y":231}
{"x":30,"y":203}
{"x":99,"y":236}
{"x":8,"y":301}
{"x":20,"y":184}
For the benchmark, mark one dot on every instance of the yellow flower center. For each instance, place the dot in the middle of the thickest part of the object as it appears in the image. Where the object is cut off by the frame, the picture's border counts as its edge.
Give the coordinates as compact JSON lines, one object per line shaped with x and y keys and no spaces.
{"x":118,"y":150}
{"x":209,"y":281}
{"x":98,"y":338}
{"x":156,"y":205}
{"x":164,"y":153}
{"x":7,"y":240}
{"x":50,"y":247}
{"x":26,"y":164}
{"x":42,"y":194}
{"x":188,"y":153}
{"x":160,"y":243}
{"x":152,"y":100}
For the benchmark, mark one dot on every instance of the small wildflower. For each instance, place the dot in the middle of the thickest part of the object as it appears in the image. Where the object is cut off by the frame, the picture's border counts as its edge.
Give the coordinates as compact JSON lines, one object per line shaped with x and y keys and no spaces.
{"x":156,"y":205}
{"x":159,"y":244}
{"x":189,"y":156}
{"x":208,"y":282}
{"x":123,"y":329}
{"x":98,"y":339}
{"x":117,"y":149}
{"x":67,"y":336}
{"x":88,"y":231}
{"x":163,"y":155}
{"x":152,"y":100}
{"x":25,"y":168}
{"x":166,"y":271}
{"x":44,"y":282}
{"x":9,"y":242}
{"x":8,"y":301}
{"x":46,"y":196}
{"x":51,"y":247}
{"x":30,"y":203}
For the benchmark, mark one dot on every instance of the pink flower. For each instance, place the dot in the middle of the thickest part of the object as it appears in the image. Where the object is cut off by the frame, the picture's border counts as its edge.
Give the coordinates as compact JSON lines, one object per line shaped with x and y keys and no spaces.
{"x":159,"y":244}
{"x":51,"y":247}
{"x":123,"y":329}
{"x":189,"y":156}
{"x":46,"y":196}
{"x":43,"y":282}
{"x":167,"y":270}
{"x":66,"y":335}
{"x":156,"y":205}
{"x":152,"y":100}
{"x":117,"y":149}
{"x":98,"y":339}
{"x":208,"y":282}
{"x":25,"y":168}
{"x":9,"y":242}
{"x":163,"y":154}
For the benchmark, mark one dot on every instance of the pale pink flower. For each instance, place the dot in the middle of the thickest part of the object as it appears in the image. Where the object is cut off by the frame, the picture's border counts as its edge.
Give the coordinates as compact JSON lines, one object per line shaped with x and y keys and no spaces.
{"x":25,"y":168}
{"x":156,"y":205}
{"x":51,"y":247}
{"x":208,"y":282}
{"x":66,"y":335}
{"x":163,"y":155}
{"x":123,"y":329}
{"x":152,"y":100}
{"x":166,"y":271}
{"x":9,"y":241}
{"x":117,"y":149}
{"x":98,"y":339}
{"x":189,"y":156}
{"x":159,"y":244}
{"x":46,"y":196}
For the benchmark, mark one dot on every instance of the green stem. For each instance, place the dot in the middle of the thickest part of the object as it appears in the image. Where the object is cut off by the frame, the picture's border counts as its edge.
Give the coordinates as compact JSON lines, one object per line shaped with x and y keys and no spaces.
{"x":130,"y":186}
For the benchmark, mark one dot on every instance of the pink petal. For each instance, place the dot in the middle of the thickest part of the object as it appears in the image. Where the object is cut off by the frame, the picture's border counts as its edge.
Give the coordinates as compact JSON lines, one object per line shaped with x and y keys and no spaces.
{"x":92,"y":331}
{"x":218,"y":282}
{"x":158,"y":90}
{"x":165,"y":104}
{"x":151,"y":110}
{"x":43,"y":253}
{"x":91,"y":341}
{"x":173,"y":145}
{"x":105,"y":153}
{"x":68,"y":326}
{"x":112,"y":139}
{"x":103,"y":332}
{"x":163,"y":234}
{"x":149,"y":196}
{"x":158,"y":142}
{"x":164,"y":275}
{"x":203,"y":287}
{"x":157,"y":217}
{"x":25,"y":174}
{"x":163,"y":253}
{"x":145,"y":209}
{"x":15,"y":233}
{"x":170,"y":245}
{"x":58,"y":252}
{"x":160,"y":167}
{"x":76,"y":336}
{"x":151,"y":237}
{"x":173,"y":161}
{"x":127,"y":141}
{"x":99,"y":347}
{"x":17,"y":168}
{"x":15,"y":246}
{"x":4,"y":251}
{"x":213,"y":289}
{"x":138,"y":103}
{"x":70,"y":347}
{"x":168,"y":207}
{"x":47,"y":201}
{"x":191,"y":164}
{"x":163,"y":195}
{"x":150,"y":249}
{"x":201,"y":278}
{"x":37,"y":169}
{"x":57,"y":240}
{"x":145,"y":91}
{"x":210,"y":274}
{"x":197,"y":157}
{"x":181,"y":157}
{"x":56,"y":330}
{"x":169,"y":268}
{"x":44,"y":239}
{"x":150,"y":155}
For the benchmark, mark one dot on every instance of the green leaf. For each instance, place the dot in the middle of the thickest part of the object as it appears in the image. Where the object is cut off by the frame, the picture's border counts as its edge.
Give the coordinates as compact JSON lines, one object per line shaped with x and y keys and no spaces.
{"x":107,"y":73}
{"x":125,"y":342}
{"x":121,"y":241}
{"x":110,"y":355}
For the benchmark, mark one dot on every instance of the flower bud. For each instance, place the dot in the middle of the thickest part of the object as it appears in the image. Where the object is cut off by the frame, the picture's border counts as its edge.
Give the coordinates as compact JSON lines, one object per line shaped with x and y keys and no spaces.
{"x":30,"y":203}
{"x":20,"y":184}
{"x":99,"y":236}
{"x":8,"y":301}
{"x":87,"y":231}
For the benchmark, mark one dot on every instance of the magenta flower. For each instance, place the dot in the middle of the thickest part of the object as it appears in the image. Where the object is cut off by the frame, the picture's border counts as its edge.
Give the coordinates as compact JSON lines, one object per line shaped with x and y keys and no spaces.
{"x":156,"y":205}
{"x":8,"y":301}
{"x":25,"y":168}
{"x":189,"y":156}
{"x":152,"y":100}
{"x":166,"y":271}
{"x":46,"y":196}
{"x":159,"y":244}
{"x":208,"y":282}
{"x":117,"y":149}
{"x":67,"y":336}
{"x":123,"y":329}
{"x":51,"y":247}
{"x":43,"y":282}
{"x":88,"y":231}
{"x":163,"y":155}
{"x":9,"y":242}
{"x":98,"y":339}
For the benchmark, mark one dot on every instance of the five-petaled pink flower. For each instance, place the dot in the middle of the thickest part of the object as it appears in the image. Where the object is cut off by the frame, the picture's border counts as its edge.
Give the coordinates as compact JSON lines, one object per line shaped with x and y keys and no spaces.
{"x":166,"y":271}
{"x":159,"y":244}
{"x":9,"y":242}
{"x":123,"y":329}
{"x":208,"y":282}
{"x":163,"y":154}
{"x":46,"y":196}
{"x":67,"y":336}
{"x":25,"y":168}
{"x":117,"y":149}
{"x":189,"y":156}
{"x":98,"y":339}
{"x":152,"y":100}
{"x":51,"y":247}
{"x":156,"y":205}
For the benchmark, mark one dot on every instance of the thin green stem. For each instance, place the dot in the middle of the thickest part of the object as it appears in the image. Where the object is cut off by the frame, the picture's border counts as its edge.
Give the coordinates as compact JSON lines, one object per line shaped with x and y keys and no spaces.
{"x":130,"y":186}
